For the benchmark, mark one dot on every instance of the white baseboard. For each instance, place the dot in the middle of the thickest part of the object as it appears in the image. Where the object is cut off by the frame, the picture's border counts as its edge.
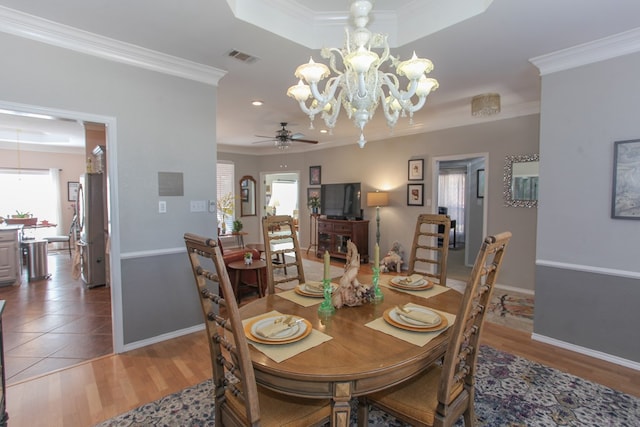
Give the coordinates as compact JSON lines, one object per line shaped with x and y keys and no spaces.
{"x":163,"y":337}
{"x":514,"y":289}
{"x":587,"y":351}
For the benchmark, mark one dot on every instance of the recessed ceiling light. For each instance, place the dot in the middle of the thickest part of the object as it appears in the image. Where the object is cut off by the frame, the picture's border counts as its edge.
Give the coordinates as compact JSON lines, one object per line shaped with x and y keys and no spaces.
{"x":323,"y":131}
{"x":257,"y":103}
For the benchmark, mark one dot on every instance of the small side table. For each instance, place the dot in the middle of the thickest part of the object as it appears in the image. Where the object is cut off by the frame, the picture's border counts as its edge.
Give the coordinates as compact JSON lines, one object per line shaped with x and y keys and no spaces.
{"x":239,"y":267}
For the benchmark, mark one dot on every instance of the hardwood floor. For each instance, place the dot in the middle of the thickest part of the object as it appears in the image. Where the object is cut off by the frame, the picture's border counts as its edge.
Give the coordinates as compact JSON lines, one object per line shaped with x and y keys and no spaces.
{"x":97,"y":390}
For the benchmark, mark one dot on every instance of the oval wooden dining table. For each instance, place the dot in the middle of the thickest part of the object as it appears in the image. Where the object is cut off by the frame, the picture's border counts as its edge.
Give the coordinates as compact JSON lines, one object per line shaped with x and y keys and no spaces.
{"x":357,"y":360}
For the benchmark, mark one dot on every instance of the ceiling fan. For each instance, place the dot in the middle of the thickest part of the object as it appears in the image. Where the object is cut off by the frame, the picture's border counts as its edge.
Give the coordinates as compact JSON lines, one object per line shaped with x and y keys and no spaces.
{"x":284,"y":137}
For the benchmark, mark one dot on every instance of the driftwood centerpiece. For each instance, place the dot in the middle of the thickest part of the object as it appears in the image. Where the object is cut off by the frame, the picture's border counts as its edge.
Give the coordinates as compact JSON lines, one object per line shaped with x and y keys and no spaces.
{"x":350,"y":291}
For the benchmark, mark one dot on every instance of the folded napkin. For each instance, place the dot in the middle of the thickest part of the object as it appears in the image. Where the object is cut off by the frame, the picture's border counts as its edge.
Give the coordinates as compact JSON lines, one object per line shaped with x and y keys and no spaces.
{"x":420,"y":316}
{"x":274,"y":328}
{"x":314,"y":286}
{"x":414,"y":278}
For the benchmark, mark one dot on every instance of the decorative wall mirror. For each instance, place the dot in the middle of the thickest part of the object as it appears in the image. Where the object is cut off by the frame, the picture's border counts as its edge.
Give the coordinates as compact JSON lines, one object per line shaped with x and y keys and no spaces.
{"x":247,"y":196}
{"x":521,"y":179}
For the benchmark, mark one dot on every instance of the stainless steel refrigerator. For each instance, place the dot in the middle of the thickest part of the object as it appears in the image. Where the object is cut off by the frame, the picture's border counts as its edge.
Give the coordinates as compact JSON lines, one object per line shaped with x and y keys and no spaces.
{"x":92,"y":231}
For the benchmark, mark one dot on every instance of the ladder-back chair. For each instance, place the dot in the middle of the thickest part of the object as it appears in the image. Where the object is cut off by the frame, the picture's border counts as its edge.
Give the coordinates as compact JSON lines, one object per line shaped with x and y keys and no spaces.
{"x":282,"y":251}
{"x":239,"y":401}
{"x":430,"y":247}
{"x":442,"y":393}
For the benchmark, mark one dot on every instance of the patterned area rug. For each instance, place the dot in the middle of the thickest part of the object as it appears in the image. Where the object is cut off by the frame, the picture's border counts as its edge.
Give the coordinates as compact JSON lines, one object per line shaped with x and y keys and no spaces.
{"x":511,"y":391}
{"x":511,"y":309}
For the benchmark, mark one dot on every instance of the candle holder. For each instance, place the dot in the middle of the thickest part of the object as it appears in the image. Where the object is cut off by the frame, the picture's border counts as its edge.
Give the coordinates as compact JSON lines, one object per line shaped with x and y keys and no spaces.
{"x":326,"y":308}
{"x":378,"y":296}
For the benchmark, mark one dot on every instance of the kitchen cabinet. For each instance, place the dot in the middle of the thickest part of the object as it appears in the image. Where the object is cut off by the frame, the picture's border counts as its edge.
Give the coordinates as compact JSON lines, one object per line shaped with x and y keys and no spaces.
{"x":10,"y":271}
{"x":333,"y":235}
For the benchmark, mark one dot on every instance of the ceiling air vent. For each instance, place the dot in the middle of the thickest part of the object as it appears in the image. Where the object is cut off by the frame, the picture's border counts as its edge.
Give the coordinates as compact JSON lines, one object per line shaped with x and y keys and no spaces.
{"x":241,"y":56}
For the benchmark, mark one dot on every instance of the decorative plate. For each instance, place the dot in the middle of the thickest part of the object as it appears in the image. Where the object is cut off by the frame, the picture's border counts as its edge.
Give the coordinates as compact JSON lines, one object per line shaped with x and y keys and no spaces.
{"x":392,"y":317}
{"x":300,"y":330}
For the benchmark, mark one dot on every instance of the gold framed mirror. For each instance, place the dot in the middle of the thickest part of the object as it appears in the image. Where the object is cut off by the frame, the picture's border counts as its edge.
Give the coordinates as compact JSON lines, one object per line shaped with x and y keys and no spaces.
{"x":248,"y":196}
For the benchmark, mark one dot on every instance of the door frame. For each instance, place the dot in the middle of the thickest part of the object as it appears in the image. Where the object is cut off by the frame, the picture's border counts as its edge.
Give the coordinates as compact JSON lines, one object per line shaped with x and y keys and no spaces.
{"x":435,"y":172}
{"x":113,"y":224}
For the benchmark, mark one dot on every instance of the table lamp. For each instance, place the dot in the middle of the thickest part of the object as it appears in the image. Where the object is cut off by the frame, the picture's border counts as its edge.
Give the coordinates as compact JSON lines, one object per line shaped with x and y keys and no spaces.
{"x":377,"y":199}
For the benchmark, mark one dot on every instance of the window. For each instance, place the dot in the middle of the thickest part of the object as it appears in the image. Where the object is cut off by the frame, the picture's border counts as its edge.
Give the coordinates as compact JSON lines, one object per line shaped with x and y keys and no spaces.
{"x":451,"y":194}
{"x":225,"y":189}
{"x":35,"y":191}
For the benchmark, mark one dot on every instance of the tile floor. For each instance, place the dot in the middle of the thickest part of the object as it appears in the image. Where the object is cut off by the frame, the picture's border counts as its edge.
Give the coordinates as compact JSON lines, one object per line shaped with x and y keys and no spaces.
{"x":54,"y":323}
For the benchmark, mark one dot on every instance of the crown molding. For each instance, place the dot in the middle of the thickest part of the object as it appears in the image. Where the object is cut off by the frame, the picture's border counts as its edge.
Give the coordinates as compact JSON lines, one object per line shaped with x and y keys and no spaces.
{"x":45,"y":31}
{"x":588,"y":53}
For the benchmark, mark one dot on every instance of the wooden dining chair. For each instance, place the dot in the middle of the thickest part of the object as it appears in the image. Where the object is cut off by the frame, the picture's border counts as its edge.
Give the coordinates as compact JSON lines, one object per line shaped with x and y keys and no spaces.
{"x":445,"y":391}
{"x":282,"y":251}
{"x":239,"y":401}
{"x":430,"y":247}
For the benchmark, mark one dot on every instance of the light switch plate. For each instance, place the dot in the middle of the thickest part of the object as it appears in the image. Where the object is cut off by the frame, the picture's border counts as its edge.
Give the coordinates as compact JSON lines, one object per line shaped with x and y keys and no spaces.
{"x":198,"y":206}
{"x":162,"y":206}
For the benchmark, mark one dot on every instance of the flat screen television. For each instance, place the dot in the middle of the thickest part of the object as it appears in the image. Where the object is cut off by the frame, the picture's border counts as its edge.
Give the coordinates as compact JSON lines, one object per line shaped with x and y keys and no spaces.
{"x":341,"y":201}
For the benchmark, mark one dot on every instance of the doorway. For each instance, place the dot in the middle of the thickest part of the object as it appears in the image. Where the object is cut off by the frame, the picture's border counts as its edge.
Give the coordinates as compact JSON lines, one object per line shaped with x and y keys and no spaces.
{"x":457,"y":191}
{"x":93,"y":305}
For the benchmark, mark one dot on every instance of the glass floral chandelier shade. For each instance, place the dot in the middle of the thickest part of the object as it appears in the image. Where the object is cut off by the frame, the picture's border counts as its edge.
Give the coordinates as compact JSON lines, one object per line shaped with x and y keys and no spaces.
{"x":361,"y":86}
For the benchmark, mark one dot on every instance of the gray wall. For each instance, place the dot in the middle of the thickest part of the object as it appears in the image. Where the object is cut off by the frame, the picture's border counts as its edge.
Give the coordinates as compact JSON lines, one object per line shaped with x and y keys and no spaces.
{"x":588,"y":274}
{"x":164,"y":123}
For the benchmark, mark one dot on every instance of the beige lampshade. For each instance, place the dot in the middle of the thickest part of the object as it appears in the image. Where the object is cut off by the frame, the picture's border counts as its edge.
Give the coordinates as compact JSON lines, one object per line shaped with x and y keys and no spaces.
{"x":377,"y":198}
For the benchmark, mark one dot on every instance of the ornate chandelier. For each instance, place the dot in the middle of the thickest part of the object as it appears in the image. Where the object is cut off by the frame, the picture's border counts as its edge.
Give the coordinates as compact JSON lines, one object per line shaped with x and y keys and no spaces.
{"x":361,"y":86}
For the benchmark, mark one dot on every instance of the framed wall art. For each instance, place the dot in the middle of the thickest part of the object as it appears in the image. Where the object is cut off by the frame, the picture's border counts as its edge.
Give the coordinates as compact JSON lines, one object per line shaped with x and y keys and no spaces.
{"x":625,"y":199}
{"x":415,"y":194}
{"x":315,"y":175}
{"x":72,"y":191}
{"x":416,"y":170}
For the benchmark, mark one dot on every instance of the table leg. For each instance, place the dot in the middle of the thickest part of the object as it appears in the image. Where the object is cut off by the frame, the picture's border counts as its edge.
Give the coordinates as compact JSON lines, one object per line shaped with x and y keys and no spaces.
{"x":236,"y":286}
{"x":341,"y":410}
{"x":259,"y":280}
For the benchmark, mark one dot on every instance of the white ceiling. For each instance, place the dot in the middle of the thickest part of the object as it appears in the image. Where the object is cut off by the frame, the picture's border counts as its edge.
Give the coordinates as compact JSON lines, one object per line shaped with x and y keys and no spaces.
{"x":488,"y":52}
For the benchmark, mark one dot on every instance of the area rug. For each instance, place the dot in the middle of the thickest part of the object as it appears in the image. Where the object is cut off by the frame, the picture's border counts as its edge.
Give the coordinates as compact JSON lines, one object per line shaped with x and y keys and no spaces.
{"x":512,"y":309}
{"x":507,"y":307}
{"x":510,"y":391}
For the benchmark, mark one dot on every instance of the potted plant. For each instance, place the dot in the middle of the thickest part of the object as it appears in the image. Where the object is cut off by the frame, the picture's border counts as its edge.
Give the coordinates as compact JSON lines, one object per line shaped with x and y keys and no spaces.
{"x":314,"y":204}
{"x":248,"y":258}
{"x":237,"y":226}
{"x":225,"y":205}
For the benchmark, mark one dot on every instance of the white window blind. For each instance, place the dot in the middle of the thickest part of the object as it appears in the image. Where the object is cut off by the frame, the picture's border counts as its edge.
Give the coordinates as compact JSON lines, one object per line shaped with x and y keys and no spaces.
{"x":225,"y":187}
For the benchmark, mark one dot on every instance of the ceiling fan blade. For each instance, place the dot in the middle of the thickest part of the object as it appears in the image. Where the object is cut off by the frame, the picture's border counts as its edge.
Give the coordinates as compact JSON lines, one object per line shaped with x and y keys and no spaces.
{"x":264,"y":136}
{"x":261,"y":142}
{"x":305,"y":140}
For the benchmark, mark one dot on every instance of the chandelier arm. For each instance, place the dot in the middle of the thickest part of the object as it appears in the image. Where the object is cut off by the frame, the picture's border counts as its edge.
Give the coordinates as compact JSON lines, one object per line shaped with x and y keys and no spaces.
{"x":329,"y":89}
{"x":400,"y":95}
{"x":392,"y":118}
{"x":330,"y":55}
